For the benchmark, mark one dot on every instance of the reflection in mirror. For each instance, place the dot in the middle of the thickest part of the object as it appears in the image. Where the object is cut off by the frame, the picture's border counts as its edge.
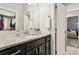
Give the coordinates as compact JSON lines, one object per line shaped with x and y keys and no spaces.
{"x":7,"y":20}
{"x":27,"y":21}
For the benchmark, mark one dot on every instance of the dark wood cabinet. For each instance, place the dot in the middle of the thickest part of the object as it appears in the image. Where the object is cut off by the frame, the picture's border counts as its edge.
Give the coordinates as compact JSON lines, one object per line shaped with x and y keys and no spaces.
{"x":36,"y":47}
{"x":48,"y":45}
{"x":33,"y":51}
{"x":33,"y":44}
{"x":42,"y":49}
{"x":16,"y":50}
{"x":41,"y":46}
{"x":48,"y":49}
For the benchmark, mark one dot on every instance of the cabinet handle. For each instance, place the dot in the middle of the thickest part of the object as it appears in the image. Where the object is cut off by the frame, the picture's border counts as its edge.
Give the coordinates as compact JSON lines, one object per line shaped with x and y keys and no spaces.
{"x":16,"y":52}
{"x":40,"y":48}
{"x":36,"y":51}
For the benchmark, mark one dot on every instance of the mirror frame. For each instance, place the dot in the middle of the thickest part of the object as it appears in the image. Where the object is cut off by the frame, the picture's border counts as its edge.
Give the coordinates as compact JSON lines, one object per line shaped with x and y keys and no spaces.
{"x":16,"y":26}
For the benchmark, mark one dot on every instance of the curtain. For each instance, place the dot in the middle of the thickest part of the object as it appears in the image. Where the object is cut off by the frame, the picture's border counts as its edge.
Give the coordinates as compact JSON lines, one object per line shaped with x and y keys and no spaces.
{"x":2,"y":23}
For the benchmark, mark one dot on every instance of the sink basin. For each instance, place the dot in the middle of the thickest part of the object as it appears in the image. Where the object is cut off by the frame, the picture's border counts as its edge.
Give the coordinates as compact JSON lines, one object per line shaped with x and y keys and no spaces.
{"x":33,"y":33}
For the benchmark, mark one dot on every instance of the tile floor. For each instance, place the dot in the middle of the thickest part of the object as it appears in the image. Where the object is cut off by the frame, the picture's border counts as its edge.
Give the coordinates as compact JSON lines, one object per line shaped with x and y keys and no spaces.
{"x":72,"y":42}
{"x":71,"y":51}
{"x":72,"y":47}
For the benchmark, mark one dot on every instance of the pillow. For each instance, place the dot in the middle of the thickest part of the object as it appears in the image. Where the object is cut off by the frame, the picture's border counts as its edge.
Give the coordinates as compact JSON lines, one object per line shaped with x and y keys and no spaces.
{"x":69,"y":30}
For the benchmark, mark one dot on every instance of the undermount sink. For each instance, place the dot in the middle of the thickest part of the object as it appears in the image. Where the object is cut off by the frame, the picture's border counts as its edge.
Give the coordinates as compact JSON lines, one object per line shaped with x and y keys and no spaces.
{"x":34,"y":33}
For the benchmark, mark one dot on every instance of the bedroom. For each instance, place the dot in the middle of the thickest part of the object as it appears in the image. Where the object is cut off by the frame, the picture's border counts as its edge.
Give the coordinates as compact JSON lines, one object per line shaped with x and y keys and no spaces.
{"x":72,"y":28}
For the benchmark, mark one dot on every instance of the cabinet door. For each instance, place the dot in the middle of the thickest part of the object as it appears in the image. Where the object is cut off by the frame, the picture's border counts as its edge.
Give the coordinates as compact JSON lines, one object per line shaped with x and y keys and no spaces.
{"x":48,"y":45}
{"x":36,"y":47}
{"x":32,"y":52}
{"x":48,"y":48}
{"x":42,"y":49}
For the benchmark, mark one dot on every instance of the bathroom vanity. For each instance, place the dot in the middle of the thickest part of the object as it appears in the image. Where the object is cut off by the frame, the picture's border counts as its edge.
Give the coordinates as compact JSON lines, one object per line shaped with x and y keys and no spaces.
{"x":14,"y":44}
{"x":27,"y":45}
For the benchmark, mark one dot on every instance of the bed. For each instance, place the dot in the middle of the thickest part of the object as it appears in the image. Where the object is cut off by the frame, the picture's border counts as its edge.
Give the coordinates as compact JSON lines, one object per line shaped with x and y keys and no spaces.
{"x":72,"y":34}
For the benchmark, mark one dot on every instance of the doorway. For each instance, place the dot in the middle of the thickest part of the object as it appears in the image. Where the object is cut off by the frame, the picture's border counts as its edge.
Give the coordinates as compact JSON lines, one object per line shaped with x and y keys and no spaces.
{"x":72,"y":31}
{"x":72,"y":25}
{"x":64,"y":41}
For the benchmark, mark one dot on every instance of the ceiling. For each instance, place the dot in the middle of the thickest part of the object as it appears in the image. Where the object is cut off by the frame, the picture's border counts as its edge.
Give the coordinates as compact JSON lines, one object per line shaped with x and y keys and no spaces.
{"x":68,"y":4}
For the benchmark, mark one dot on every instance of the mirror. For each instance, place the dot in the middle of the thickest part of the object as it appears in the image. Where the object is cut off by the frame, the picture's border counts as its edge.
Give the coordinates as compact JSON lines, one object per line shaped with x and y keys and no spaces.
{"x":7,"y":20}
{"x":27,"y":21}
{"x":31,"y":18}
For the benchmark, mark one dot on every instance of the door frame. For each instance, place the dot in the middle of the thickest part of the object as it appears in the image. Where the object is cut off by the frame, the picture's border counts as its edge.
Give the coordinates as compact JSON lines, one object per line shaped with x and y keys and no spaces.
{"x":66,"y":32}
{"x":56,"y":29}
{"x":66,"y":27}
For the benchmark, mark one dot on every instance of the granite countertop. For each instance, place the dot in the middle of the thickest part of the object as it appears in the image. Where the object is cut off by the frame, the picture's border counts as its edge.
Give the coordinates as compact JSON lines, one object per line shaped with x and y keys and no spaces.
{"x":13,"y":41}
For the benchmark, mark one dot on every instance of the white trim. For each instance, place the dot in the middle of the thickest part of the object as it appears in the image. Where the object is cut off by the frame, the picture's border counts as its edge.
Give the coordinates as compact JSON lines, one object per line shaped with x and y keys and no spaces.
{"x":72,"y":10}
{"x":16,"y":26}
{"x":66,"y":32}
{"x":53,"y":16}
{"x":7,"y":9}
{"x":78,"y":33}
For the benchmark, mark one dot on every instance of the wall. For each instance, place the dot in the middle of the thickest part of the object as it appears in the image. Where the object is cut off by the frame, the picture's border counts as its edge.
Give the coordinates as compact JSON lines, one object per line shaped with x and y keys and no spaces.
{"x":72,"y":7}
{"x":17,"y":8}
{"x":73,"y":13}
{"x":72,"y":22}
{"x":44,"y":12}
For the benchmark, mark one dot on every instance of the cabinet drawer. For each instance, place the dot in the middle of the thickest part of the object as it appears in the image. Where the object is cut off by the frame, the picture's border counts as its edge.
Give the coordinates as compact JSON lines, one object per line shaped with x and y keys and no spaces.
{"x":48,"y":38}
{"x":32,"y":52}
{"x":34,"y":44}
{"x":16,"y":50}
